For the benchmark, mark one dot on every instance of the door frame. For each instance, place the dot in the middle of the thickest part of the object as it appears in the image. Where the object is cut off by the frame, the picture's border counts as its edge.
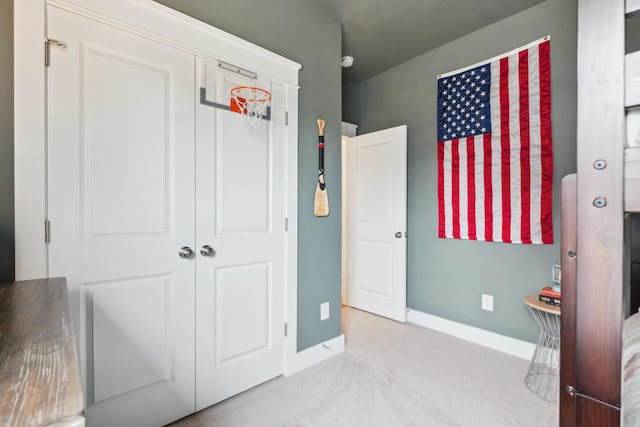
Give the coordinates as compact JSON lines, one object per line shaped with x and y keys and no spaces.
{"x":155,"y":21}
{"x":348,"y":130}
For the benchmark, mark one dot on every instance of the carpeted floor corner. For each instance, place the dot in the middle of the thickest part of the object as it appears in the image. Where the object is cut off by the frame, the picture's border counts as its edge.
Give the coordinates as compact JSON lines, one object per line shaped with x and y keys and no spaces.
{"x":392,"y":374}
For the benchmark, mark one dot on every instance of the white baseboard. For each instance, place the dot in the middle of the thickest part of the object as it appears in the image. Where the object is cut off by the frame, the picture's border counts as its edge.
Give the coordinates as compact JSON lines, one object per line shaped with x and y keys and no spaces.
{"x":312,"y":355}
{"x":512,"y":346}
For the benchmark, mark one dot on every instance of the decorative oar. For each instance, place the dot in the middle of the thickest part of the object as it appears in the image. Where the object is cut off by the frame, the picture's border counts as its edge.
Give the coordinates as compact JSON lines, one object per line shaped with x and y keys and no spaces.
{"x":321,"y":202}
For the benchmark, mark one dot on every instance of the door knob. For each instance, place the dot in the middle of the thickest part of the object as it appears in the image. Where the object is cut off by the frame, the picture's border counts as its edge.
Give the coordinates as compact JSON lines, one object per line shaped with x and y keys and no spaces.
{"x":207,"y":250}
{"x":399,"y":234}
{"x":185,"y":252}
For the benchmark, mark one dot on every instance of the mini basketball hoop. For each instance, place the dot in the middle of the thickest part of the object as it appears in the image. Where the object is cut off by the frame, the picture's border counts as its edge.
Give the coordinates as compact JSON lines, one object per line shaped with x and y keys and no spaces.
{"x":251,"y":102}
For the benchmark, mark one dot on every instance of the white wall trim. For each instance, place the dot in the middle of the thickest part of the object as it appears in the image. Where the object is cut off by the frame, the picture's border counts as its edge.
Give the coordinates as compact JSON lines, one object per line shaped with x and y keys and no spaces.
{"x":349,"y":129}
{"x":29,"y":139}
{"x":512,"y":346}
{"x":291,"y":291}
{"x":160,"y":23}
{"x":313,"y":355}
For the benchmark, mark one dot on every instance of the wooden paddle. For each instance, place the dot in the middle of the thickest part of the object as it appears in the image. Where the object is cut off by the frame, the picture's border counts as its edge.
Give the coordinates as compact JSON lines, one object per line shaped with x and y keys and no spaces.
{"x":321,"y":201}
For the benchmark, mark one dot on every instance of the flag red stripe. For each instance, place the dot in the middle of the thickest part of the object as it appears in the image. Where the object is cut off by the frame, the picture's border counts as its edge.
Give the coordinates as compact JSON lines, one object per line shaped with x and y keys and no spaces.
{"x":505,"y":148}
{"x":488,"y":190}
{"x":441,"y":219}
{"x":471,"y":188}
{"x":547,"y":154}
{"x":455,"y":188}
{"x":525,"y":145}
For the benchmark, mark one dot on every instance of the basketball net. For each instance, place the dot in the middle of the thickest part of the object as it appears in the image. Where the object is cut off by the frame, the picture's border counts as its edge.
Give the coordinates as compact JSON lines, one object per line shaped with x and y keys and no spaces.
{"x":251,"y":102}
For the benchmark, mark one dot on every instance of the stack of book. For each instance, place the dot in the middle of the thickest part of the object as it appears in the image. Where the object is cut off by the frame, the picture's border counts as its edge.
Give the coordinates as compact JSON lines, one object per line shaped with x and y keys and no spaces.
{"x":549,"y":296}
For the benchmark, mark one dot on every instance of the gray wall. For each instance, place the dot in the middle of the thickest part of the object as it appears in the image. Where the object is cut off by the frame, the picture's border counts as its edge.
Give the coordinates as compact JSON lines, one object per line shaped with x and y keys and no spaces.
{"x":313,"y":39}
{"x":447,"y":277}
{"x":6,"y":142}
{"x":632,"y":33}
{"x":350,"y":111}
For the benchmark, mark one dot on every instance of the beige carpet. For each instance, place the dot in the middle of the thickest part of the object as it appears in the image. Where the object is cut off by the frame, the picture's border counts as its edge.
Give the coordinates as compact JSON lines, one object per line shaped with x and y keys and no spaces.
{"x":392,"y":374}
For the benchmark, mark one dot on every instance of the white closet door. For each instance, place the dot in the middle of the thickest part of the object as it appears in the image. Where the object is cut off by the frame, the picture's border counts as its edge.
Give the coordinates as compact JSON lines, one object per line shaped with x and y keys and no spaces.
{"x":240,"y":214}
{"x":121,"y":205}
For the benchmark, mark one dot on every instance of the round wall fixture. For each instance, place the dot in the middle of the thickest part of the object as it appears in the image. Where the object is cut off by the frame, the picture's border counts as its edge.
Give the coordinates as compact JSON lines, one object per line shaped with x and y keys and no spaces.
{"x":347,"y":61}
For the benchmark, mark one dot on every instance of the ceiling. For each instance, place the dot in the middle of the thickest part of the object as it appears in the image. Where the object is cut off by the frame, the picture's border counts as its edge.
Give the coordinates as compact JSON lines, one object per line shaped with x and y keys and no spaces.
{"x":380,"y":34}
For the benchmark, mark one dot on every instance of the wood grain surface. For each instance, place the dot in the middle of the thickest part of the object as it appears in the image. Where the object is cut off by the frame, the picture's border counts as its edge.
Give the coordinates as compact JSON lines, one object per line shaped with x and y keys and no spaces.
{"x":568,"y":248}
{"x":600,"y":214}
{"x":39,"y":374}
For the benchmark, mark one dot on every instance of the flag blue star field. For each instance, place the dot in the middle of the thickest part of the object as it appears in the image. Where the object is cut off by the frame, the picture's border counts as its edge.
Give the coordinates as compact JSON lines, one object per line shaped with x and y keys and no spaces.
{"x":463,"y":104}
{"x":495,"y":161}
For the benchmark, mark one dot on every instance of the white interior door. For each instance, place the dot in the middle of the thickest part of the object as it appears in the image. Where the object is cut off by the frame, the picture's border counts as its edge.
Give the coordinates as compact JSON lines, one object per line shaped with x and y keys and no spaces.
{"x":241,"y":216}
{"x":121,"y":204}
{"x":377,"y":222}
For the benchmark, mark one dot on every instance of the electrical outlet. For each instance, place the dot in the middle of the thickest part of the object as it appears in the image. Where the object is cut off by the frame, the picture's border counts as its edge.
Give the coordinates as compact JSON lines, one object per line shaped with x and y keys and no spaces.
{"x":324,"y":311}
{"x":487,"y":302}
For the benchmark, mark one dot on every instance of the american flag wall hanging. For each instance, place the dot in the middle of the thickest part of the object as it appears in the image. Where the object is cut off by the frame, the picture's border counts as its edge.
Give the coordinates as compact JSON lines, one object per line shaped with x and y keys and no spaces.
{"x":495,"y":159}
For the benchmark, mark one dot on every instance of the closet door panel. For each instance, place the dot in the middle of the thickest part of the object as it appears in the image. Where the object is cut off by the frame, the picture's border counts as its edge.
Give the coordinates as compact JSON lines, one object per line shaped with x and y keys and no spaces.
{"x":240,"y":214}
{"x":121,"y":205}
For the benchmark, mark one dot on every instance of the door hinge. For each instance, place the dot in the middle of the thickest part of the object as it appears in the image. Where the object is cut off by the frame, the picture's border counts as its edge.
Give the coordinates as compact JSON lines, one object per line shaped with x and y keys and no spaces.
{"x":286,"y":118}
{"x":285,"y":330}
{"x":47,"y":49}
{"x":47,"y":231}
{"x":286,"y":224}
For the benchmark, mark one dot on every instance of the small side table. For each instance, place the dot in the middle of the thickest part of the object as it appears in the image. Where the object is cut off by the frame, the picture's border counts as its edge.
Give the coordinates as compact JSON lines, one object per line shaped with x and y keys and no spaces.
{"x":544,"y":370}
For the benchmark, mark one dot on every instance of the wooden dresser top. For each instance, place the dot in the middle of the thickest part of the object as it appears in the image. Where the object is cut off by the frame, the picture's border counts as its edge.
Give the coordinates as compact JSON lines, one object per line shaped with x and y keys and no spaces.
{"x":39,"y":374}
